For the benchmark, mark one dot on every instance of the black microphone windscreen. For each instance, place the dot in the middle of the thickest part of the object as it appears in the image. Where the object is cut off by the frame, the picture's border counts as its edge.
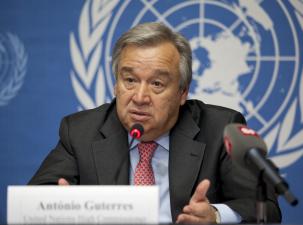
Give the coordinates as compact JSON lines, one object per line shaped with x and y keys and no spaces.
{"x":239,"y":139}
{"x":137,"y":130}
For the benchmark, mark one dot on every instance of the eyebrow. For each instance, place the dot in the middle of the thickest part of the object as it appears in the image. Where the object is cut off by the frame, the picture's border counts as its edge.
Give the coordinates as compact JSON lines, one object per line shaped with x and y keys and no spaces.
{"x":127,"y":69}
{"x":157,"y":72}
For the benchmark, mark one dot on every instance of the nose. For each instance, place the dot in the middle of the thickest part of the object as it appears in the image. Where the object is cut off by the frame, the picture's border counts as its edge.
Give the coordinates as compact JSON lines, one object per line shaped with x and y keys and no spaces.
{"x":141,"y":95}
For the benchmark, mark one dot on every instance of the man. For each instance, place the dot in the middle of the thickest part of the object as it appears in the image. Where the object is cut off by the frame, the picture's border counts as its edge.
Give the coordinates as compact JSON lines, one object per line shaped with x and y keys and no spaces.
{"x":197,"y":180}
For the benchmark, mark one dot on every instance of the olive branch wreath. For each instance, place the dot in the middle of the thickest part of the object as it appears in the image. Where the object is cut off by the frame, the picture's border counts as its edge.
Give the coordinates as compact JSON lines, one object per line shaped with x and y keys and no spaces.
{"x":87,"y":74}
{"x":281,"y":133}
{"x":16,"y":81}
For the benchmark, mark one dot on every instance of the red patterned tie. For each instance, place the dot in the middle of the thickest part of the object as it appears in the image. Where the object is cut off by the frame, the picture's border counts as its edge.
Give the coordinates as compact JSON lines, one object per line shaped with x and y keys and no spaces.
{"x":144,"y":174}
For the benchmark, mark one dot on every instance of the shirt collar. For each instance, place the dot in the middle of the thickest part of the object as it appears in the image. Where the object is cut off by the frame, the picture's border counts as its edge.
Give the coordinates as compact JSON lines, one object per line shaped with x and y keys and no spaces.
{"x":163,"y":140}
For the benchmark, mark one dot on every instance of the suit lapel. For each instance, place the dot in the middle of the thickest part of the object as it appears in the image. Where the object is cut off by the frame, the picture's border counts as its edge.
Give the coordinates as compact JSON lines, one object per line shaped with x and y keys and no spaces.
{"x":111,"y":157}
{"x":111,"y":153}
{"x":185,"y":158}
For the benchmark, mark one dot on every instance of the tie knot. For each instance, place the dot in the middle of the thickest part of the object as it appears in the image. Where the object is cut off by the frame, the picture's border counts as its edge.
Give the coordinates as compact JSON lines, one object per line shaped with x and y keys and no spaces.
{"x":146,"y":150}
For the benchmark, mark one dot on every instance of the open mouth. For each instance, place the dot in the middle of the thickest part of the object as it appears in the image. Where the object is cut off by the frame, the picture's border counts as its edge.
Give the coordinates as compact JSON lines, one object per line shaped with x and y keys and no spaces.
{"x":139,"y":115}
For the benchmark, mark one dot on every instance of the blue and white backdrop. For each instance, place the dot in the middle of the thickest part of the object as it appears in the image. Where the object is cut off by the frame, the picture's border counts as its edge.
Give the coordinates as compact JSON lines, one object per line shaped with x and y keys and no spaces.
{"x":55,"y":58}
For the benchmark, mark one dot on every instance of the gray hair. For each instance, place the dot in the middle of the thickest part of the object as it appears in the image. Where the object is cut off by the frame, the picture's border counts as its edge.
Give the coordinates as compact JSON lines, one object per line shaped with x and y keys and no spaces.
{"x":151,"y":34}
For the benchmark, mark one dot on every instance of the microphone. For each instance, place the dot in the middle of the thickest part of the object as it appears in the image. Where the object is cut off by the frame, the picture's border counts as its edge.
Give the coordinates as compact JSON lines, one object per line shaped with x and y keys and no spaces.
{"x":248,"y":149}
{"x":136,"y":131}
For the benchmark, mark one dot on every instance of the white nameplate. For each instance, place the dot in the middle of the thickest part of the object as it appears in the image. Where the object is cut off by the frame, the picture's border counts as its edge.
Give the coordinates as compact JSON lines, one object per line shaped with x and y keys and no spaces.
{"x":82,"y":204}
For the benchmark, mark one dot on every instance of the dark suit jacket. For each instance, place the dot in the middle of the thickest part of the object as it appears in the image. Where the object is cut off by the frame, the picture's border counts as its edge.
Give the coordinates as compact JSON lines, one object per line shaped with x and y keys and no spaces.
{"x":93,"y":149}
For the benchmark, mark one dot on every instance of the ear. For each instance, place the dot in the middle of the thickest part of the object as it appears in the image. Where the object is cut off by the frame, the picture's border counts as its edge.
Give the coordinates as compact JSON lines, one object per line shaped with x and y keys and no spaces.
{"x":184,"y":94}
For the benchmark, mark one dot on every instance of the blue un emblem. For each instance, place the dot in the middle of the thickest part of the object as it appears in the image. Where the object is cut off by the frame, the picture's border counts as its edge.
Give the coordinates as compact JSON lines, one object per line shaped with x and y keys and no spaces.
{"x":246,"y":56}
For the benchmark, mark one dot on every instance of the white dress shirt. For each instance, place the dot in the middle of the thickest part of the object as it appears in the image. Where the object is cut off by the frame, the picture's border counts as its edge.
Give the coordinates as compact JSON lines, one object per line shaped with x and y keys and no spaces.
{"x":160,"y":168}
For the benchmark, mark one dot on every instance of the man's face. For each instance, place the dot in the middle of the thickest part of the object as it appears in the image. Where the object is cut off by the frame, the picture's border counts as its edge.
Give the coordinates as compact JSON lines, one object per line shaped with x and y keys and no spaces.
{"x":147,"y":88}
